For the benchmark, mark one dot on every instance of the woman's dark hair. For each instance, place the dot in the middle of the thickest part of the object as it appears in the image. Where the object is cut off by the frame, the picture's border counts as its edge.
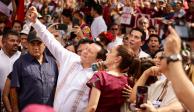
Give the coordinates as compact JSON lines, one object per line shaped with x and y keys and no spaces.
{"x":129,"y":63}
{"x":68,"y":13}
{"x":80,"y":14}
{"x":146,"y":63}
{"x":102,"y":53}
{"x":106,"y":37}
{"x":160,"y":50}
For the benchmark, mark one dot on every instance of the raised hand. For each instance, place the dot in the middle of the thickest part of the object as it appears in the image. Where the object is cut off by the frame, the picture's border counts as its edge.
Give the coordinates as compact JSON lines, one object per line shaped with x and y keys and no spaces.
{"x":172,"y":44}
{"x":32,"y":14}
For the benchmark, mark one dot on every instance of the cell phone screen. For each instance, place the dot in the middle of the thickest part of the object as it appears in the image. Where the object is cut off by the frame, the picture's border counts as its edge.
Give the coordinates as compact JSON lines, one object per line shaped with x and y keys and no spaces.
{"x":61,"y":27}
{"x":141,"y":96}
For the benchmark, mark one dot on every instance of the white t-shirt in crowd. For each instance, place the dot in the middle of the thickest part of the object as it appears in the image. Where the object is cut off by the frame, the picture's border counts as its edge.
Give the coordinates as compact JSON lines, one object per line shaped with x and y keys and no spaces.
{"x":116,"y":42}
{"x":98,"y":26}
{"x":6,"y":66}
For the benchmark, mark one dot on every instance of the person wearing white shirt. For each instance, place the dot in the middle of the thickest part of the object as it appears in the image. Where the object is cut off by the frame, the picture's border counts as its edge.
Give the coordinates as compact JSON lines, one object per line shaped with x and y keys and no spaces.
{"x":118,"y":40}
{"x":8,"y":55}
{"x":98,"y":24}
{"x":135,"y":40}
{"x":161,"y":96}
{"x":71,"y":92}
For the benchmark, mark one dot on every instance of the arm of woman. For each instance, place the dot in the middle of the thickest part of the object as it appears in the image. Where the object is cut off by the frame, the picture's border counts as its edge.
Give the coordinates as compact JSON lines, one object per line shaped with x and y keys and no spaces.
{"x":93,"y":101}
{"x":141,"y":82}
{"x":173,"y":107}
{"x":154,"y":71}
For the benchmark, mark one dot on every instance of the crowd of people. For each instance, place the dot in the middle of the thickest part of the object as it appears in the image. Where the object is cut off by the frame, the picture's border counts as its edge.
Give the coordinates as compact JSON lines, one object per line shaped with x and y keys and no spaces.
{"x":93,"y":55}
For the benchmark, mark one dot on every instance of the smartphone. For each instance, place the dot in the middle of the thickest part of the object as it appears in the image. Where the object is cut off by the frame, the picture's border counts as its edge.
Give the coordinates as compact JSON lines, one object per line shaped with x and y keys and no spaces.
{"x":75,"y":22}
{"x":94,"y":67}
{"x":141,"y":96}
{"x":61,"y":27}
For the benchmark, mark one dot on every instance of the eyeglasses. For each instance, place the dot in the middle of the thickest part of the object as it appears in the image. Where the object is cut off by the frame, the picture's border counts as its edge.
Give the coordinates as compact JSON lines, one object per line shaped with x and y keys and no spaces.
{"x":143,"y":22}
{"x":114,"y":28}
{"x":125,"y":38}
{"x":160,"y":57}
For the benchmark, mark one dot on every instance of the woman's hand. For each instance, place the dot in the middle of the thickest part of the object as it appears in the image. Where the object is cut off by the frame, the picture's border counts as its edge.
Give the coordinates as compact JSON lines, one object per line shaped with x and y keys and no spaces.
{"x":77,"y":30}
{"x":153,"y":71}
{"x":126,"y":92}
{"x":148,"y":107}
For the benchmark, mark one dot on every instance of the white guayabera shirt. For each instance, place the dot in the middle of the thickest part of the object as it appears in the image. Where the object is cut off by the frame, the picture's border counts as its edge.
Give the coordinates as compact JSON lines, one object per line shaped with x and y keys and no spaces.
{"x":71,"y":93}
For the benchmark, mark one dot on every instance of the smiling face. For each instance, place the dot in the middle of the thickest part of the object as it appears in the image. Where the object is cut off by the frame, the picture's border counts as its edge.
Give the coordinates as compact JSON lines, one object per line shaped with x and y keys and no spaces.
{"x":89,"y":54}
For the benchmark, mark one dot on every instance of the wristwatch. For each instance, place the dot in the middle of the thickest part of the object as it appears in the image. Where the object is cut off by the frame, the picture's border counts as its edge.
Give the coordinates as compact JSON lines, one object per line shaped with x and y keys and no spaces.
{"x":174,"y":58}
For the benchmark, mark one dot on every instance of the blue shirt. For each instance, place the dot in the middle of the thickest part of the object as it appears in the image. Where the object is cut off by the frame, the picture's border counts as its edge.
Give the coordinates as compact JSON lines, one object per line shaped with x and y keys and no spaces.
{"x":35,"y":82}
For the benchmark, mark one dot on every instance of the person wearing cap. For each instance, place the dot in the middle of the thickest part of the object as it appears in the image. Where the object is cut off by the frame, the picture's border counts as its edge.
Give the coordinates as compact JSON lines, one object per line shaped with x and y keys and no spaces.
{"x":8,"y":55}
{"x":136,"y":39}
{"x":34,"y":76}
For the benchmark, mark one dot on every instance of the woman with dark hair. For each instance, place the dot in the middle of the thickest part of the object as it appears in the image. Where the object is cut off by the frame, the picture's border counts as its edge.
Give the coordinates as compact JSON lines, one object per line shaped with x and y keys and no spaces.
{"x":105,"y":38}
{"x":106,"y":86}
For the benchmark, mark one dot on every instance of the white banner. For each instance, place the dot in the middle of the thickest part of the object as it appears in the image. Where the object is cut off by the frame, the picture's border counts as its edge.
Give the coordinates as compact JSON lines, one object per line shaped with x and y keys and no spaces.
{"x":6,"y":9}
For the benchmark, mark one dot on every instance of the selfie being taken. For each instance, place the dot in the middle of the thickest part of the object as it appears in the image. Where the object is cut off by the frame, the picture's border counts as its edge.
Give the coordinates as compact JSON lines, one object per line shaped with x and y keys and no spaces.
{"x":96,"y":55}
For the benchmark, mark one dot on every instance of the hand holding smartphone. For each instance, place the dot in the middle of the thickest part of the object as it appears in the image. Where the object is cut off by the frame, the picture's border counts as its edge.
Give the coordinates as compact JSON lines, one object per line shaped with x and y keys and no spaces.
{"x":141,"y":96}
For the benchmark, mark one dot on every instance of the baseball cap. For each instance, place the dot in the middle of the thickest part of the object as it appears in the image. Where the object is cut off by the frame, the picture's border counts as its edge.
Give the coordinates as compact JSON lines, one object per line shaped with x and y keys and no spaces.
{"x":33,"y":37}
{"x":26,"y":29}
